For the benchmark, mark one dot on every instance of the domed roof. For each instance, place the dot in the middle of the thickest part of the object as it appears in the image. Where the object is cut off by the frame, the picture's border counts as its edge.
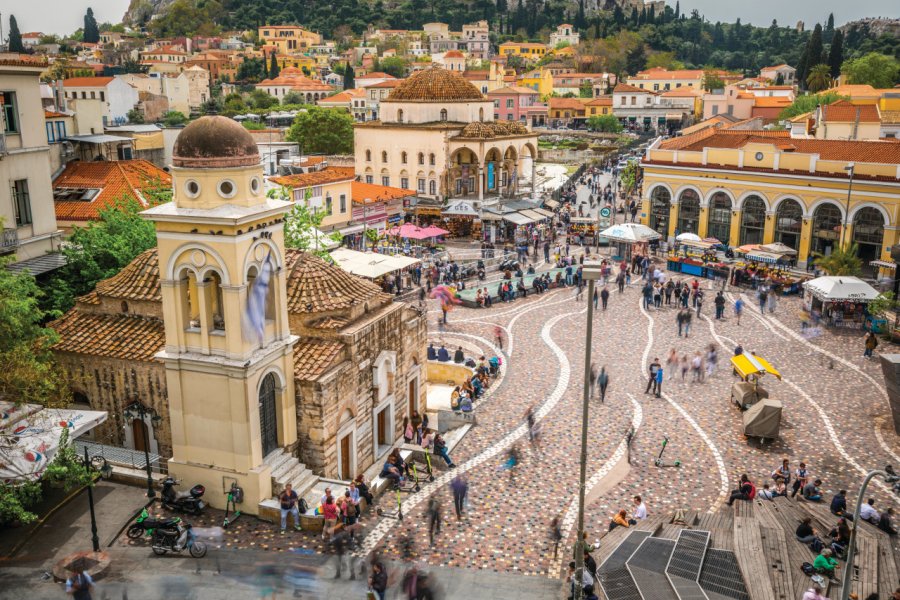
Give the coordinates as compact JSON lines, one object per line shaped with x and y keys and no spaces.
{"x":315,"y":286}
{"x":435,"y":85}
{"x":211,"y":142}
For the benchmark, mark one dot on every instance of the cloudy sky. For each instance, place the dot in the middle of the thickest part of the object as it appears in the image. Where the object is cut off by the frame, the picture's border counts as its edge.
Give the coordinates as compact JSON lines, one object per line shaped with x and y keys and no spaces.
{"x":65,"y":16}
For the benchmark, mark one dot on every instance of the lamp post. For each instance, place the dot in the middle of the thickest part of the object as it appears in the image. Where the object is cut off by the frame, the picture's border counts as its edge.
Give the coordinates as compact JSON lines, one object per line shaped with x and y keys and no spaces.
{"x":850,"y":169}
{"x":890,"y":477}
{"x":95,"y":540}
{"x":590,"y":272}
{"x":136,"y":410}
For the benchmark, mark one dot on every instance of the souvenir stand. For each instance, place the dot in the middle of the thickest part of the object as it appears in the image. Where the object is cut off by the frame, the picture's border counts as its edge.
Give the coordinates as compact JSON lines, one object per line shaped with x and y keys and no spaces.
{"x":629,"y":238}
{"x":461,"y":219}
{"x":697,"y":257}
{"x":768,"y":263}
{"x":582,"y":226}
{"x":841,"y":300}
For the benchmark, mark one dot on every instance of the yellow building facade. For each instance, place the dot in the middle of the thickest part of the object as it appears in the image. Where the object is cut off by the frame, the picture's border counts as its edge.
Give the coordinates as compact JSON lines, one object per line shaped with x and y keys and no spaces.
{"x":755,"y":187}
{"x":288,"y":38}
{"x":527,"y":50}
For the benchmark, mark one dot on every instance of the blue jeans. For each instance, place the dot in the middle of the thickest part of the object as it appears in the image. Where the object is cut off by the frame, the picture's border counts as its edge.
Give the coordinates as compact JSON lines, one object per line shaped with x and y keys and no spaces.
{"x":445,"y":455}
{"x":568,"y":279}
{"x":284,"y":515}
{"x":867,"y":353}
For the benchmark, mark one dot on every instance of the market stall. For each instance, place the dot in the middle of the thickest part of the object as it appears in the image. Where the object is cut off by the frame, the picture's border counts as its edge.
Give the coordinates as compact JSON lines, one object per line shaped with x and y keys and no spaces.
{"x":629,"y":238}
{"x":582,"y":229}
{"x":383,"y":269}
{"x":841,"y":300}
{"x":462,"y":219}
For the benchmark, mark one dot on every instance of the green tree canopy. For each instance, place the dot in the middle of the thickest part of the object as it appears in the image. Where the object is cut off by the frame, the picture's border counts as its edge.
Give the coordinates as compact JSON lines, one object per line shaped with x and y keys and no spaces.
{"x":324,"y":130}
{"x":252,"y":70}
{"x":349,"y":82}
{"x":819,"y":78}
{"x":293,"y":98}
{"x":91,"y":31}
{"x":878,"y":70}
{"x":261,"y":99}
{"x":394,"y":65}
{"x":604,"y":123}
{"x":841,"y":261}
{"x":15,"y":36}
{"x":173,"y":118}
{"x":712,"y":81}
{"x":807,"y":103}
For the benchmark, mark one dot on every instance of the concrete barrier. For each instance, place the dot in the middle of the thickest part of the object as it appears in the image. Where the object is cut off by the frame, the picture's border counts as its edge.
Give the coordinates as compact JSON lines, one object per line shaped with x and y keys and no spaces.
{"x":448,"y":419}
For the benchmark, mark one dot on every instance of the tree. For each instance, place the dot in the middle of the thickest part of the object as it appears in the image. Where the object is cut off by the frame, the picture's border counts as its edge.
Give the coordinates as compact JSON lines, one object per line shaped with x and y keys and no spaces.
{"x":819,"y":78}
{"x":878,"y":70}
{"x":712,"y":81}
{"x":135,"y":116}
{"x":274,"y":69}
{"x":779,"y":79}
{"x":814,"y":52}
{"x":836,"y":54}
{"x":325,"y":130}
{"x":807,"y":103}
{"x":15,"y":500}
{"x":301,"y":225}
{"x":261,"y":100}
{"x":91,"y":31}
{"x":349,"y":82}
{"x":293,"y":98}
{"x":173,"y":118}
{"x":102,"y":249}
{"x":394,"y":65}
{"x":666,"y":60}
{"x":604,"y":123}
{"x":841,"y":261}
{"x":586,"y":90}
{"x":251,"y":70}
{"x":636,"y":59}
{"x":15,"y":36}
{"x":132,"y":66}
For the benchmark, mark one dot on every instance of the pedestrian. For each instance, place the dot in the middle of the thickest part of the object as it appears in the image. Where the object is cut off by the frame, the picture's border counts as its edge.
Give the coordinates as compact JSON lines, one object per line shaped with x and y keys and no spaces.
{"x":80,"y":583}
{"x":288,"y":499}
{"x":603,"y":382}
{"x":763,"y":297}
{"x":659,"y":381}
{"x":378,"y":580}
{"x":801,"y":476}
{"x":870,"y":342}
{"x":698,"y":301}
{"x":697,"y":368}
{"x":720,"y":305}
{"x":556,"y":534}
{"x":738,"y":309}
{"x":604,"y":297}
{"x":685,"y":366}
{"x":672,"y":363}
{"x":596,"y":297}
{"x":498,"y":335}
{"x":773,"y":299}
{"x":712,"y":359}
{"x":434,"y":518}
{"x":651,"y":381}
{"x":460,"y":488}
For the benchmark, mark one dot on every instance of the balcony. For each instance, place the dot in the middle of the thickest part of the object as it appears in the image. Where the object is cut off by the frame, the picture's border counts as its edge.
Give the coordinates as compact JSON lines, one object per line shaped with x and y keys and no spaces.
{"x":9,"y":240}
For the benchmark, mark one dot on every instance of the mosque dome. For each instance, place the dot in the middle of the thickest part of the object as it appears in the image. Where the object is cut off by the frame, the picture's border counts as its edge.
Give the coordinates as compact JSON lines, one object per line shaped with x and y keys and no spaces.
{"x":215,"y":142}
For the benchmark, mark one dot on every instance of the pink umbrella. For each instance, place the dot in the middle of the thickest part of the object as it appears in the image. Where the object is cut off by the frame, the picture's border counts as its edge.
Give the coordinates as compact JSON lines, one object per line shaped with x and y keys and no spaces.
{"x":408,"y":230}
{"x":433,"y":231}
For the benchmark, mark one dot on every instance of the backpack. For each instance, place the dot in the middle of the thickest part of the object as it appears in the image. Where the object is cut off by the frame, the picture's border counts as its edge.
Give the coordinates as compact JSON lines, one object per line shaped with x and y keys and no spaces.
{"x":303,"y":506}
{"x":351,"y":509}
{"x":808,"y":569}
{"x":816,"y":545}
{"x":752,"y":493}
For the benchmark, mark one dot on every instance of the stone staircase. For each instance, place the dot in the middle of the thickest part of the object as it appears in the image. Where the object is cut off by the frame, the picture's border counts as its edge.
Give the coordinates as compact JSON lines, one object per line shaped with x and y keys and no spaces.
{"x":287,"y":469}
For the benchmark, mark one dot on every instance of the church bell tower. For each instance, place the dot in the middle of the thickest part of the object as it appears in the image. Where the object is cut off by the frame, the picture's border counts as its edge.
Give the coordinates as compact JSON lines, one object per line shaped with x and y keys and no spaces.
{"x":229,"y":351}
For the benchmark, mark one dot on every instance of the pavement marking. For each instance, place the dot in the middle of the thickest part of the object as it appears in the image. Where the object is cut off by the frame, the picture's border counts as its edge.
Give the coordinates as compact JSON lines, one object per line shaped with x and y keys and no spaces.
{"x":829,"y":426}
{"x":720,"y":462}
{"x":571,"y":514}
{"x":374,"y":537}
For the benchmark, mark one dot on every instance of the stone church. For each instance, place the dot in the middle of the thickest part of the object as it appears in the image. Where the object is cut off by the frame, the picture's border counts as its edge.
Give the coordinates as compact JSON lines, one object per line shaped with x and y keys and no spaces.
{"x":323,"y":386}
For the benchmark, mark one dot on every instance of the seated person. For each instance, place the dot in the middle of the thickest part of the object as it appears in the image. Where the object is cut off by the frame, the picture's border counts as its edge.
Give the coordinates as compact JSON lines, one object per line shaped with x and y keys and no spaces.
{"x":530,"y":269}
{"x":620,"y":520}
{"x":465,"y":404}
{"x":443,"y":355}
{"x":825,"y":564}
{"x":805,"y":532}
{"x":519,"y":272}
{"x":884,"y":523}
{"x":840,"y":537}
{"x":767,"y":493}
{"x":479,"y":299}
{"x":364,"y":489}
{"x":390,"y":470}
{"x":399,"y":462}
{"x":839,"y":503}
{"x":494,"y":363}
{"x":458,"y":356}
{"x":868,"y":513}
{"x":811,"y":491}
{"x":521,"y":288}
{"x":477,"y":386}
{"x":454,"y":398}
{"x":432,"y":353}
{"x":559,"y":278}
{"x":467,"y":388}
{"x":487,"y":299}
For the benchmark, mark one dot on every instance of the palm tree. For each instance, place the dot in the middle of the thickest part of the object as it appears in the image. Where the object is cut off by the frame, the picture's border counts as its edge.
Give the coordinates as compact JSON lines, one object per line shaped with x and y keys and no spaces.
{"x":841,"y":261}
{"x":819,"y":78}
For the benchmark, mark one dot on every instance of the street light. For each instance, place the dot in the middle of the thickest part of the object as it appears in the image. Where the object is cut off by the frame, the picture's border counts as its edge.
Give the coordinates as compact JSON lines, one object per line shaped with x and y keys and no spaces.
{"x":95,"y":540}
{"x":850,"y":169}
{"x":890,"y":477}
{"x":591,"y":272}
{"x":136,"y":410}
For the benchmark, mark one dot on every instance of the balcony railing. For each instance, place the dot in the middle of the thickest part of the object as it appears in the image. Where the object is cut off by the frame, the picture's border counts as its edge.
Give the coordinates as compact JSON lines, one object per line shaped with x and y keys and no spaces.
{"x":9,"y":240}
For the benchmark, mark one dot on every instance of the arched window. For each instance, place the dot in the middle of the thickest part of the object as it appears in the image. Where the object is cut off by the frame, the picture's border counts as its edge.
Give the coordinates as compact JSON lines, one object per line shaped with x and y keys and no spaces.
{"x":481,"y":114}
{"x":788,"y":219}
{"x":688,"y":212}
{"x":400,"y":115}
{"x":383,"y":156}
{"x":660,"y":201}
{"x":268,"y":419}
{"x":753,"y":220}
{"x":421,"y":158}
{"x":368,"y":155}
{"x":189,"y":299}
{"x":719,"y":223}
{"x":216,"y":300}
{"x":443,"y":114}
{"x":431,"y":159}
{"x":826,"y":229}
{"x":868,"y":234}
{"x":432,"y":187}
{"x":403,"y":157}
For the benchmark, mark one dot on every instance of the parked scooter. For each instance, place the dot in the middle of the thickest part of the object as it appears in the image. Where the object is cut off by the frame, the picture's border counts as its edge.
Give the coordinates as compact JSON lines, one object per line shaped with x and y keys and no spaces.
{"x":146,"y":523}
{"x":186,"y":502}
{"x":177,"y":540}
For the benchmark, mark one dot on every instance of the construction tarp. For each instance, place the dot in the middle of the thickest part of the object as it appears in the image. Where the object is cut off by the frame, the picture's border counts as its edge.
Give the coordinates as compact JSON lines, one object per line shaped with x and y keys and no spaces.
{"x":763,"y":419}
{"x":751,"y":364}
{"x":370,"y":264}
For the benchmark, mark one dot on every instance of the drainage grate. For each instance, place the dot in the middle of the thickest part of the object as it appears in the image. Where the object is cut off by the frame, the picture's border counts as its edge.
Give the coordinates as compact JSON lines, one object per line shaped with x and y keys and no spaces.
{"x":722,"y":575}
{"x":623,"y":551}
{"x":648,"y":566}
{"x":618,"y":584}
{"x":688,"y":554}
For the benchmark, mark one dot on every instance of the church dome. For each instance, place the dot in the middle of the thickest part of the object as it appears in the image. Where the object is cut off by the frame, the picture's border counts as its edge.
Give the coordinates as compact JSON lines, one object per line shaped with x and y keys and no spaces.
{"x":214,"y":142}
{"x":435,"y":85}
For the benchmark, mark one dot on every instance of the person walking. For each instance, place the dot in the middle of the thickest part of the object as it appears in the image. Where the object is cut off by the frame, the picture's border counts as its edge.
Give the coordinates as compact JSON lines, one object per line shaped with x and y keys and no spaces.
{"x":763,"y":297}
{"x":738,"y":309}
{"x":870,"y":342}
{"x":720,"y":305}
{"x":434,"y":518}
{"x":659,"y":381}
{"x":378,"y":580}
{"x":672,"y":363}
{"x":602,"y":383}
{"x":698,"y":301}
{"x":604,"y":297}
{"x":80,"y":584}
{"x":460,"y":488}
{"x":651,"y":381}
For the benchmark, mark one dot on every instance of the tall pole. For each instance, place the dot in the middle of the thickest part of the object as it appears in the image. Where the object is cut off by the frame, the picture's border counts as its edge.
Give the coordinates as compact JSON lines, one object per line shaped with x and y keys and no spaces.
{"x":95,"y":540}
{"x":151,"y":493}
{"x":851,"y":548}
{"x":850,"y":168}
{"x":579,"y":542}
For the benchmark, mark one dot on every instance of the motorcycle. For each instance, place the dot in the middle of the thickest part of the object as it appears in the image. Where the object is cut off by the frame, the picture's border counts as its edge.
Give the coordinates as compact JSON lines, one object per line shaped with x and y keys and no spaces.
{"x":177,"y":540}
{"x":147,"y":524}
{"x":187,"y":502}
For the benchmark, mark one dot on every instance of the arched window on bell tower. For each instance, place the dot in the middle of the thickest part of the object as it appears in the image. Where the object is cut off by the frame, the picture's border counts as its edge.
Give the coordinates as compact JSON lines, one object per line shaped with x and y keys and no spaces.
{"x":252,"y":274}
{"x":215,"y":300}
{"x":190,"y":300}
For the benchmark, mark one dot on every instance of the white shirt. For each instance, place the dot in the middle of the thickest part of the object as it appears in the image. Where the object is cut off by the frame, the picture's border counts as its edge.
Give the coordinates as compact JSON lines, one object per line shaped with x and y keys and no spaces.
{"x":867,"y":513}
{"x":640,"y":512}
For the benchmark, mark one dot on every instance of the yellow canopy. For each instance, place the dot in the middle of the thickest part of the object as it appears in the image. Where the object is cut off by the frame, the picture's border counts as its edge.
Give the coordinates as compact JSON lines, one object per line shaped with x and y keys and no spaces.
{"x":750,"y":364}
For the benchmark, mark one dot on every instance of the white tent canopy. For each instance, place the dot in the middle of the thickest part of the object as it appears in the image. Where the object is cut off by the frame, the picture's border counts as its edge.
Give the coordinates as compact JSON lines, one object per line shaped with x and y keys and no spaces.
{"x":318,"y":239}
{"x":29,"y":436}
{"x":370,"y":264}
{"x":839,"y":288}
{"x":630,"y":232}
{"x":687,"y":237}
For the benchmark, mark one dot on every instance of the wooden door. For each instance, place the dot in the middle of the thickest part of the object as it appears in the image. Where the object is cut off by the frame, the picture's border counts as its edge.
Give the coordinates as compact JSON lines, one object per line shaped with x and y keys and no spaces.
{"x":139,"y":435}
{"x":268,"y":427}
{"x":382,"y":437}
{"x":413,"y":401}
{"x":345,"y":473}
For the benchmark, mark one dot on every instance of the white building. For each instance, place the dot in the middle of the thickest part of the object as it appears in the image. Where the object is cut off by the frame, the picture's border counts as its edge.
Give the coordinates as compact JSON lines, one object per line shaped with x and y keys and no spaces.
{"x":787,"y":72}
{"x":118,"y":97}
{"x":186,"y":91}
{"x":565,"y":33}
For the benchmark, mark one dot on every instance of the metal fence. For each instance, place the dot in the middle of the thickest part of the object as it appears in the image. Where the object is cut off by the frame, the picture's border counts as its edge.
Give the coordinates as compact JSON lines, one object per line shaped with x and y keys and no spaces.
{"x":124,"y":457}
{"x":557,"y":193}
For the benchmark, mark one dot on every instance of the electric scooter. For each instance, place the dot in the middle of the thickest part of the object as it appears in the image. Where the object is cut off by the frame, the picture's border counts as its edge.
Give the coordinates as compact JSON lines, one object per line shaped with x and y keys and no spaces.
{"x":235,"y":497}
{"x":393,"y":514}
{"x":659,"y":461}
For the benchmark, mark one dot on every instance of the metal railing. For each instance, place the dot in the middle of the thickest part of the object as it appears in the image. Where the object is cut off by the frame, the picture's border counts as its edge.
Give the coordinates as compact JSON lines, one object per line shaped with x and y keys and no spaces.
{"x":9,"y":240}
{"x":124,"y":457}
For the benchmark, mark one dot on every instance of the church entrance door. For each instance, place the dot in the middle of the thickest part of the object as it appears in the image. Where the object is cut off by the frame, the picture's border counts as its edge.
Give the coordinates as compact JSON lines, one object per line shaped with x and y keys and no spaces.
{"x":268,"y":427}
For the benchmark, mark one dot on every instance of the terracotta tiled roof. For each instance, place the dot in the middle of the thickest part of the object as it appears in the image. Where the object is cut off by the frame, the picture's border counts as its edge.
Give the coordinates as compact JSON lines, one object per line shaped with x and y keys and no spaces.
{"x":115,"y":180}
{"x":843,"y":111}
{"x":87,"y":81}
{"x":624,"y":88}
{"x":363,"y":193}
{"x":685,"y":92}
{"x":566,"y":104}
{"x":22,"y":60}
{"x":326,"y":175}
{"x":454,"y":54}
{"x":772,"y":101}
{"x":50,"y":114}
{"x":122,"y":336}
{"x":376,"y":75}
{"x":390,"y":83}
{"x":436,"y":85}
{"x":661,"y":73}
{"x":493,"y":129}
{"x":512,"y":90}
{"x":314,"y":357}
{"x":315,"y":286}
{"x":331,"y":323}
{"x":601,"y":101}
{"x":296,"y":82}
{"x":139,"y":280}
{"x":342,"y":97}
{"x":775,"y":67}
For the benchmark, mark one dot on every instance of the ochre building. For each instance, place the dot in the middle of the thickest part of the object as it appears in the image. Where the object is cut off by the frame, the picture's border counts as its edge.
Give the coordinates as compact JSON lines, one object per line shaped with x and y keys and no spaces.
{"x":759,"y":187}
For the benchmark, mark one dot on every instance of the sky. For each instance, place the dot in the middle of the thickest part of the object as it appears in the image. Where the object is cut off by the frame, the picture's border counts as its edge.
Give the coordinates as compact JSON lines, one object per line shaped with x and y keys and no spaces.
{"x":65,"y":16}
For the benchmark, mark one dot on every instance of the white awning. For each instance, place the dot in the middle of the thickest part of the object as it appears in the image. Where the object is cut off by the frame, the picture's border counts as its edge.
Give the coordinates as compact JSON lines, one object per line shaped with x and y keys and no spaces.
{"x":885,"y":264}
{"x":370,"y":264}
{"x":534,"y":215}
{"x":840,"y":288}
{"x":351,"y":230}
{"x":551,"y":203}
{"x":517,"y":218}
{"x":544,"y":212}
{"x":31,"y":436}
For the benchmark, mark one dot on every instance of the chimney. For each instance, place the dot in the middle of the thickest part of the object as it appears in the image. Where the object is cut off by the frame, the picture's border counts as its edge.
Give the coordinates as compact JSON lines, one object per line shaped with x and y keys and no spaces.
{"x":855,"y":133}
{"x":59,"y":95}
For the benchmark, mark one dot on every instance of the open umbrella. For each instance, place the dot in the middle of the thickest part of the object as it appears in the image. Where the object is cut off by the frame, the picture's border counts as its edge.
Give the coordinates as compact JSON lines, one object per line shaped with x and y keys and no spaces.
{"x":630,"y":232}
{"x":434,"y":231}
{"x":778,"y":248}
{"x":687,"y":237}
